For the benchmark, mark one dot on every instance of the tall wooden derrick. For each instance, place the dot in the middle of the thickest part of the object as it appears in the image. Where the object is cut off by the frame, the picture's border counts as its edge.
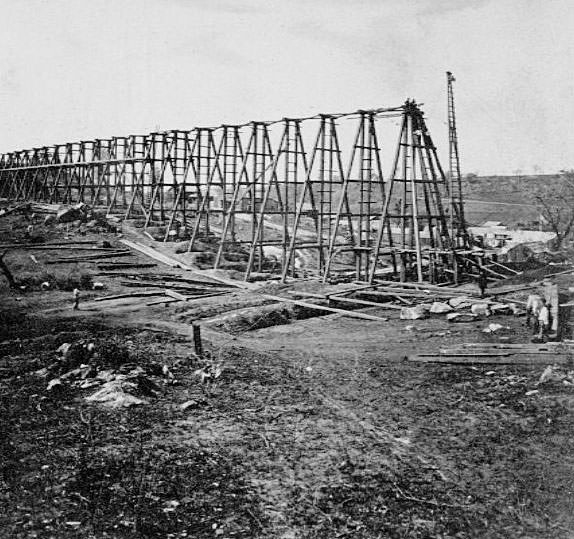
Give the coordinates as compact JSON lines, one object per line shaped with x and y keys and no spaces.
{"x":457,"y":220}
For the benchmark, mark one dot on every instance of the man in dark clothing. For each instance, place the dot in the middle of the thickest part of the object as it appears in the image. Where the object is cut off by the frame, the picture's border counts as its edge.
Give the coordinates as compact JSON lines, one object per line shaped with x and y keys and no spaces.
{"x":482,"y":282}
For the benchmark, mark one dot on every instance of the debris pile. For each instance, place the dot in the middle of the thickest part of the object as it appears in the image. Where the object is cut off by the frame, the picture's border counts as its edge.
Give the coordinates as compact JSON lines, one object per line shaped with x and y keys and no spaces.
{"x":107,"y":367}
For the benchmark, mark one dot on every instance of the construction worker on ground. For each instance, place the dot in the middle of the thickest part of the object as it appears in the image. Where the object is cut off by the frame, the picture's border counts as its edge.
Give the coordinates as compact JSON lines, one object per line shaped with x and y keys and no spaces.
{"x":76,"y":295}
{"x":533,"y":306}
{"x":543,"y":320}
{"x":482,"y":282}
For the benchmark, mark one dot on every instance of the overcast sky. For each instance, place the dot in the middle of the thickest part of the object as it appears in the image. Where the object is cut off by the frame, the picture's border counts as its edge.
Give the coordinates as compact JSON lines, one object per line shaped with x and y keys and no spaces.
{"x":82,"y":69}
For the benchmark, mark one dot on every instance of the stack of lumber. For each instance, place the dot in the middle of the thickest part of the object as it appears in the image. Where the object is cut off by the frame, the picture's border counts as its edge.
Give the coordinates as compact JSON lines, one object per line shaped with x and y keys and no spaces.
{"x":501,"y":354}
{"x":89,"y":258}
{"x":123,"y":265}
{"x":170,"y":285}
{"x":55,"y":245}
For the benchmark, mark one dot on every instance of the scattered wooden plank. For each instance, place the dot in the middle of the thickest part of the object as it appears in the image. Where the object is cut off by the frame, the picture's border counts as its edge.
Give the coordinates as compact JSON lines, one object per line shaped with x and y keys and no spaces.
{"x":88,"y":258}
{"x":407,"y":293}
{"x":125,"y":265}
{"x":533,"y":359}
{"x":487,"y":352}
{"x":156,"y":255}
{"x":425,"y":286}
{"x":162,"y":301}
{"x":132,"y":295}
{"x":34,"y":247}
{"x":505,"y":267}
{"x":512,"y":289}
{"x":571,"y":270}
{"x":345,"y":300}
{"x":546,"y":347}
{"x":365,"y":302}
{"x":165,"y":277}
{"x":174,"y":285}
{"x":175,"y":295}
{"x":352,"y":314}
{"x":45,"y":244}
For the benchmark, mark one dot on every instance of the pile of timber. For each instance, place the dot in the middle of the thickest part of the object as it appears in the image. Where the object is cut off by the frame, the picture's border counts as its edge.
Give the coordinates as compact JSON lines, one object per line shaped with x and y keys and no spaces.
{"x":123,"y":265}
{"x":90,"y":258}
{"x":500,"y":354}
{"x":173,"y":285}
{"x":170,"y":295}
{"x":46,"y":245}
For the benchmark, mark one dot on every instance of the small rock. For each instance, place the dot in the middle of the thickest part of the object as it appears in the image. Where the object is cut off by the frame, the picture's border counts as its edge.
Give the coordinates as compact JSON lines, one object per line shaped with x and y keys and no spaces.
{"x":414,"y":313}
{"x":550,"y":374}
{"x":492,"y":328}
{"x":480,"y":309}
{"x":460,"y":317}
{"x":189,"y":404}
{"x":167,"y":373}
{"x":86,"y":384}
{"x":106,"y":376}
{"x":63,"y":348}
{"x":55,"y":383}
{"x":438,"y":307}
{"x":460,"y":302}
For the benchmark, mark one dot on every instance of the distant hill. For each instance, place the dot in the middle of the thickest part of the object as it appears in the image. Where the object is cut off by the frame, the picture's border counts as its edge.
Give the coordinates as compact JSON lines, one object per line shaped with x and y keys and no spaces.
{"x":509,"y":199}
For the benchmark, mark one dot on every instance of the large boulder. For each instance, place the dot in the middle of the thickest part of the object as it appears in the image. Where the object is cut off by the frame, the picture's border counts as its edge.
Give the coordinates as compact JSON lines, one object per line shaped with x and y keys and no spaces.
{"x":438,"y":307}
{"x":414,"y":313}
{"x":480,"y":309}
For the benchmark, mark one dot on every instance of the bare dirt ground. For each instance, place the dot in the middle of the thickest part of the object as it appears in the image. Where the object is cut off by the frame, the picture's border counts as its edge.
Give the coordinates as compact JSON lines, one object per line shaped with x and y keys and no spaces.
{"x":316,"y":428}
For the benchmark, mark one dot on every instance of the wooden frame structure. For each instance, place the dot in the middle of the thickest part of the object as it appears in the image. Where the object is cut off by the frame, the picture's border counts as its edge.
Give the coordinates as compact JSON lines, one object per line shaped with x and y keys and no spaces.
{"x":291,"y":196}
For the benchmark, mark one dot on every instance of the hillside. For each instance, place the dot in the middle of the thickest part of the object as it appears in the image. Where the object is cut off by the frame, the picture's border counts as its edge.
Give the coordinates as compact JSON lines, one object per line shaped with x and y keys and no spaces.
{"x":509,"y":199}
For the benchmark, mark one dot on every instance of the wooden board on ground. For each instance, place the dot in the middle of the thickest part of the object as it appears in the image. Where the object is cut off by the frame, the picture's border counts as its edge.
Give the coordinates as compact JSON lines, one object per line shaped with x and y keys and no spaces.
{"x":518,"y":359}
{"x":143,"y":293}
{"x":351,"y":314}
{"x":156,"y":255}
{"x":174,"y":263}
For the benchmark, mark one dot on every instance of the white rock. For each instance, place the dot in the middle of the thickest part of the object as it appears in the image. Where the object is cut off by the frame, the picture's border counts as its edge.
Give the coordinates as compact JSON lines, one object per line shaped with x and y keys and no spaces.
{"x":438,"y":307}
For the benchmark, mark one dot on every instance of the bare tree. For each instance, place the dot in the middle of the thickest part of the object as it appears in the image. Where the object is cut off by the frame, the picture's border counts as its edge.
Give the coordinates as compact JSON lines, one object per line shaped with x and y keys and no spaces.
{"x":556,"y":205}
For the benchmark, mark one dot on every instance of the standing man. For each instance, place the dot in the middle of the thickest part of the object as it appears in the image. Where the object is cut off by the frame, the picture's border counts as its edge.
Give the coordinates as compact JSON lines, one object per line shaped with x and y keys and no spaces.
{"x":543,"y":320}
{"x":76,"y":295}
{"x":533,"y":306}
{"x":482,"y":282}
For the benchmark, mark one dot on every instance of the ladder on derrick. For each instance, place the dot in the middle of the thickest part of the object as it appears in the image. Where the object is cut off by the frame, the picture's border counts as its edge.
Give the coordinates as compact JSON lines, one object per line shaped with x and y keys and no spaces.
{"x":456,"y":210}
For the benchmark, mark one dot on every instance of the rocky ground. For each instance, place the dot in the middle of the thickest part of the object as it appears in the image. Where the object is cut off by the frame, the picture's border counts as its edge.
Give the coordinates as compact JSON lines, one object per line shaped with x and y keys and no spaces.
{"x":311,"y":427}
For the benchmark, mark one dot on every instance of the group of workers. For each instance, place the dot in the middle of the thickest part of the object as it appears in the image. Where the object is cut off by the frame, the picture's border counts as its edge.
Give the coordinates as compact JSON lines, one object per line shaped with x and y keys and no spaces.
{"x":538,"y":316}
